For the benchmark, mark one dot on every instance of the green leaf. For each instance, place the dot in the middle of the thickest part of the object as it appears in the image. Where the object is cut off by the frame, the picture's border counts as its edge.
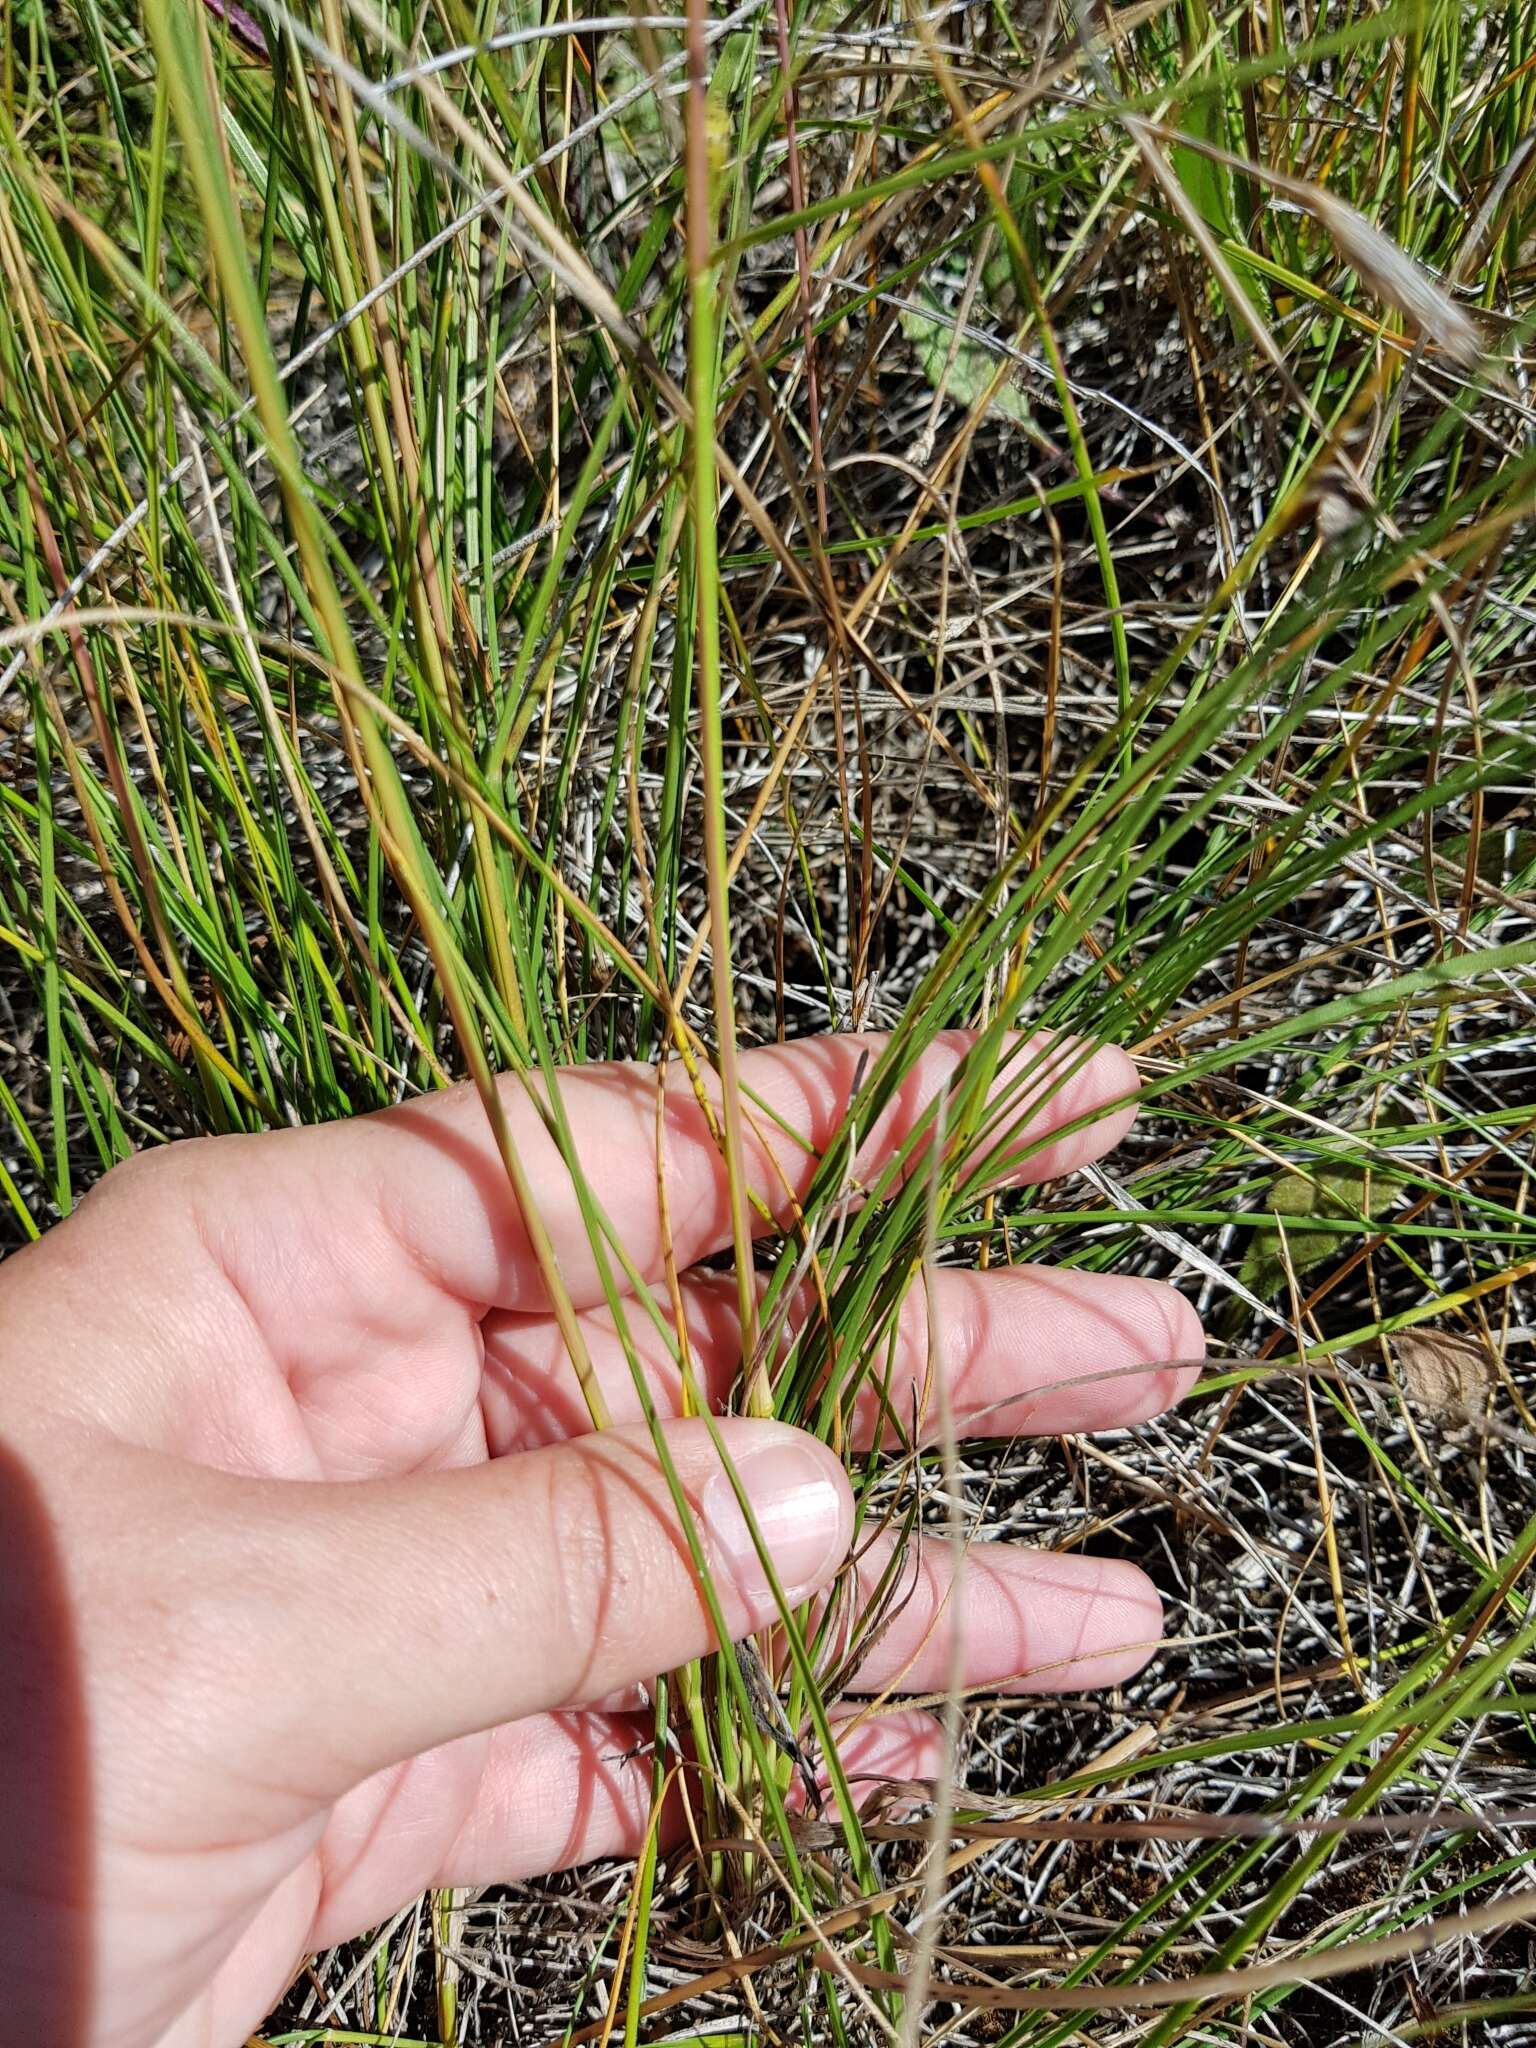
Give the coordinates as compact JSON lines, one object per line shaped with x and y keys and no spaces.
{"x":1208,"y":184}
{"x":960,"y":367}
{"x":1307,"y":1208}
{"x":1502,"y":858}
{"x":1212,"y":189}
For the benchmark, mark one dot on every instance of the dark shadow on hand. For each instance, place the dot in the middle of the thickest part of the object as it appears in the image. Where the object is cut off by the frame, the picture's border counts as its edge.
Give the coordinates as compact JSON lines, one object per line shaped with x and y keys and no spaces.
{"x":45,"y":1791}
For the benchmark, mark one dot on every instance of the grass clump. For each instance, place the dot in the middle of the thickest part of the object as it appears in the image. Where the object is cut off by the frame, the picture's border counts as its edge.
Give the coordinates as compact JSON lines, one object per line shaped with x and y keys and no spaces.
{"x":536,"y":537}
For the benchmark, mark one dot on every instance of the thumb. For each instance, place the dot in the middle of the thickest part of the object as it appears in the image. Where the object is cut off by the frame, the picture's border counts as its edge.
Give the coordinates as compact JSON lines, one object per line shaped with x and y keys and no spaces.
{"x":386,"y":1617}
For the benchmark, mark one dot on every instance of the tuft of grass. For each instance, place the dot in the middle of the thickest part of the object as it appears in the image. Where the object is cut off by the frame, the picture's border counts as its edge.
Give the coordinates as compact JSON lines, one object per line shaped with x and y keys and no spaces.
{"x":531,"y":537}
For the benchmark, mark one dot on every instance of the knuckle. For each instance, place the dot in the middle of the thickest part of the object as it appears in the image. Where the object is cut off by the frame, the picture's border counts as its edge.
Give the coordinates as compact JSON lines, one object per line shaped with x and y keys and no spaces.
{"x":131,"y":1179}
{"x":581,"y":1573}
{"x":176,"y":1174}
{"x":152,"y":1173}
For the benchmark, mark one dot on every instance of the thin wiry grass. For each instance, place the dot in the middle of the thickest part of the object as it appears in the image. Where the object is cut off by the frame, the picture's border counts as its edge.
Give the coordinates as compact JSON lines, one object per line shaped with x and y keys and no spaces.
{"x":1115,"y":614}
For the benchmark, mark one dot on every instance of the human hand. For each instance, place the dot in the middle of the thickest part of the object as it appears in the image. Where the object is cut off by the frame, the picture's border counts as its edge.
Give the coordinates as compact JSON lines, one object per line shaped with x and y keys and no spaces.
{"x":311,"y":1564}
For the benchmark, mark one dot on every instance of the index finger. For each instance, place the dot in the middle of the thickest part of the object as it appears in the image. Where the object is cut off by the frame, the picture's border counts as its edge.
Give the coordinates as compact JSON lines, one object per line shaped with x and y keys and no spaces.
{"x":355,"y":1209}
{"x":441,"y":1183}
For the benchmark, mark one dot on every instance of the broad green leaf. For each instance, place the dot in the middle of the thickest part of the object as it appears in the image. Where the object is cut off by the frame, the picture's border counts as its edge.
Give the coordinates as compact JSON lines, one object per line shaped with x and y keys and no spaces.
{"x":1210,"y":185}
{"x":1307,"y":1208}
{"x":1502,"y":857}
{"x":962,"y":368}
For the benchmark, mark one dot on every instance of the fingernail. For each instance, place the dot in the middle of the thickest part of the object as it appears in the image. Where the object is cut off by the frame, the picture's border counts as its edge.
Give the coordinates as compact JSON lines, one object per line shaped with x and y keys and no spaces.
{"x":798,"y":1506}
